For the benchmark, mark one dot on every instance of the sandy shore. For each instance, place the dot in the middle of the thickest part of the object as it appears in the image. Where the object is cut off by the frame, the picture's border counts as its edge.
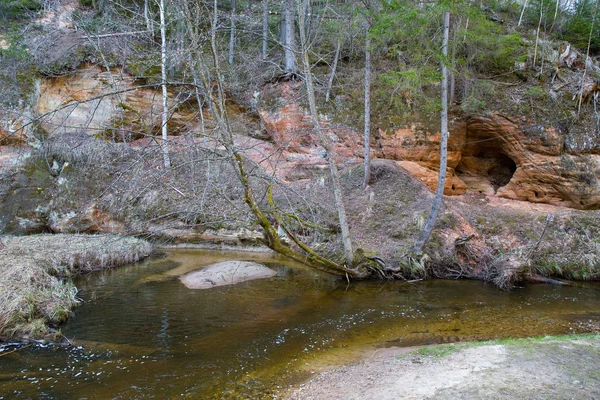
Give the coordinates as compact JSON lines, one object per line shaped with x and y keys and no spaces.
{"x":544,"y":368}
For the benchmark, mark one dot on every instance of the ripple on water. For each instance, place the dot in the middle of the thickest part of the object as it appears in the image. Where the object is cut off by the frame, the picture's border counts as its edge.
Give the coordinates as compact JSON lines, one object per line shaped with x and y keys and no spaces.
{"x":141,"y":333}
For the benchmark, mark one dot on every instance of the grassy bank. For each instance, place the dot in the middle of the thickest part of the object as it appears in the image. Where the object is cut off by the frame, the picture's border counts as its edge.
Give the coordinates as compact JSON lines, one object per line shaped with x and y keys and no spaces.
{"x":36,"y":289}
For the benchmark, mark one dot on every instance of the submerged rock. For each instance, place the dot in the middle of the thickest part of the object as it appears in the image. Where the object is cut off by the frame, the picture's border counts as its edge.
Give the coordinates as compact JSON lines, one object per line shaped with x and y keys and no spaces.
{"x":226,"y":273}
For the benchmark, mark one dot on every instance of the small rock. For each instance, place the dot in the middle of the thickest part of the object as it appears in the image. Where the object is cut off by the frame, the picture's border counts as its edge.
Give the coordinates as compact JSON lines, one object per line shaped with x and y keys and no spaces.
{"x":226,"y":273}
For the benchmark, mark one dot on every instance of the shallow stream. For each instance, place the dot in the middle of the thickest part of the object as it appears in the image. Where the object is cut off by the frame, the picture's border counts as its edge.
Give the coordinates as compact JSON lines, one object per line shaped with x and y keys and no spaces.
{"x":141,"y":333}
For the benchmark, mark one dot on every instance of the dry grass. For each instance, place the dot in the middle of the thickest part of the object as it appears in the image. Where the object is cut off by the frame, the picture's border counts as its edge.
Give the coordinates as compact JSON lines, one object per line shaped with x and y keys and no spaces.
{"x":35,"y":289}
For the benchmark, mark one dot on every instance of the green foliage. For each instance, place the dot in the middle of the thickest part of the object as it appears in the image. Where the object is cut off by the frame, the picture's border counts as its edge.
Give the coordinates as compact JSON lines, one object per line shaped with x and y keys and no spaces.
{"x":13,"y":10}
{"x":478,"y":96}
{"x":411,"y":37}
{"x":441,"y":351}
{"x":576,"y":29}
{"x":536,"y":93}
{"x":486,"y":48}
{"x":532,"y":14}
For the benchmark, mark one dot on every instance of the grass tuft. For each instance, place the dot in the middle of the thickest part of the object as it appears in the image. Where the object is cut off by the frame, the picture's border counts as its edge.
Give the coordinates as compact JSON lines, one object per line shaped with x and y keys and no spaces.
{"x":36,"y":288}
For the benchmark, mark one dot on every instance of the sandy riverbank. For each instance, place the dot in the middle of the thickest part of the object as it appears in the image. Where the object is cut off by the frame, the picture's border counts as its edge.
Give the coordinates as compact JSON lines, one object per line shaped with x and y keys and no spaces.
{"x":563,"y":367}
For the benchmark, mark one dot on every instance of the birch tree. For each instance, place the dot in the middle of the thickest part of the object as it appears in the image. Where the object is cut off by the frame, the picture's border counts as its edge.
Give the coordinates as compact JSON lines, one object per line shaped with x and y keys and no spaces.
{"x":165,"y":96}
{"x":288,"y":37}
{"x":232,"y":33}
{"x":439,"y":194}
{"x":301,"y":253}
{"x":367,"y":127}
{"x":323,"y":139}
{"x":265,"y":27}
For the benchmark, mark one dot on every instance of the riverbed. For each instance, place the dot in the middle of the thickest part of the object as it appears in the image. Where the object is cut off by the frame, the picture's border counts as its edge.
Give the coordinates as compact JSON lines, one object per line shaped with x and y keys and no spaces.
{"x":140,"y":333}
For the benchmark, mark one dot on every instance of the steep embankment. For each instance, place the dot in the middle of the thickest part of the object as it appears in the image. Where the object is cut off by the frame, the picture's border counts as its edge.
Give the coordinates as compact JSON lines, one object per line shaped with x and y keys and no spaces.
{"x":91,"y":162}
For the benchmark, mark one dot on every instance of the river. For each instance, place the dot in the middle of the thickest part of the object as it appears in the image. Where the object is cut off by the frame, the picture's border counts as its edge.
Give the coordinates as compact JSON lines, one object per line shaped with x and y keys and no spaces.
{"x":140,"y":333}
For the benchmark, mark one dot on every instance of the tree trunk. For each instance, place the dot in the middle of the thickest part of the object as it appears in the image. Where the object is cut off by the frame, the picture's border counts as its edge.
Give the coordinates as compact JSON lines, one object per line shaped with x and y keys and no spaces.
{"x":537,"y":33}
{"x":587,"y":58}
{"x":324,"y":140}
{"x":439,"y":194}
{"x":265,"y":28}
{"x":165,"y":99}
{"x":272,"y":239}
{"x":522,"y":12}
{"x":232,"y":33}
{"x":333,"y":69}
{"x":288,"y":37}
{"x":149,"y":21}
{"x":367,"y":130}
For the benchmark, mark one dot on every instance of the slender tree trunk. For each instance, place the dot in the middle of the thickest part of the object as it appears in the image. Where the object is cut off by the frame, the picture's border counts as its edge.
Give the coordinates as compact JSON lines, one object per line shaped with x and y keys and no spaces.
{"x":232,"y":33}
{"x":149,"y":21}
{"x":587,"y":58}
{"x":555,"y":15}
{"x":165,"y":98}
{"x":439,"y":194}
{"x":333,"y":69}
{"x":288,"y":37}
{"x":271,"y":237}
{"x":452,"y":72}
{"x":265,"y":28}
{"x":337,"y":187}
{"x":367,"y":127}
{"x":537,"y":33}
{"x":522,"y":12}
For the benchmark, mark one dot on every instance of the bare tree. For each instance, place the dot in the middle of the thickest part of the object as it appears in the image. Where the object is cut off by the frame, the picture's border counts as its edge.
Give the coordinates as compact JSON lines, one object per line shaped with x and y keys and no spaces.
{"x":289,"y":64}
{"x":149,"y":21}
{"x":439,"y":194}
{"x":537,"y":33}
{"x":165,"y":96}
{"x":367,"y":127}
{"x":522,"y":12}
{"x":215,"y":94}
{"x":265,"y":27}
{"x":587,"y":57}
{"x":324,"y":140}
{"x":333,"y":69}
{"x":232,"y":33}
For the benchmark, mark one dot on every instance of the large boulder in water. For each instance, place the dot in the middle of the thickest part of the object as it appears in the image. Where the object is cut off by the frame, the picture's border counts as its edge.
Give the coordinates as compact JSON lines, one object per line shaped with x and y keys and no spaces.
{"x":226,"y":273}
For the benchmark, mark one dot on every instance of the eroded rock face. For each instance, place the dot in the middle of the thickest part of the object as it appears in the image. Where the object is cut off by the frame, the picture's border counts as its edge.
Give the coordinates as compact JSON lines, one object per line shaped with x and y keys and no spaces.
{"x":127,"y":115}
{"x":523,"y":161}
{"x":226,"y":273}
{"x":291,"y":128}
{"x":492,"y":154}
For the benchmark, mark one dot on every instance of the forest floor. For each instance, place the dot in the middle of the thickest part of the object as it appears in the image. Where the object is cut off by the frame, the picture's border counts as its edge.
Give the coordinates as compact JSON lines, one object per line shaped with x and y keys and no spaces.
{"x":564,"y":367}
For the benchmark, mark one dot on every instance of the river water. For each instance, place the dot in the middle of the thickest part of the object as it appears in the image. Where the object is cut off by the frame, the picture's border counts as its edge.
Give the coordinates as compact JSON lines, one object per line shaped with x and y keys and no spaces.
{"x":140,"y":333}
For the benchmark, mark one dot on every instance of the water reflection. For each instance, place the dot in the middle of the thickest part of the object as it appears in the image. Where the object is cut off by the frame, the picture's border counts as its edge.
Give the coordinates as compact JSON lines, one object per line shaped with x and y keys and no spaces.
{"x":141,"y":333}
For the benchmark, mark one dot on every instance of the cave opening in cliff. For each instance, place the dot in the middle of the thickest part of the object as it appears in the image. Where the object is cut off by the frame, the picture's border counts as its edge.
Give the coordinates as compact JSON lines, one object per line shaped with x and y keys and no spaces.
{"x":485,"y":167}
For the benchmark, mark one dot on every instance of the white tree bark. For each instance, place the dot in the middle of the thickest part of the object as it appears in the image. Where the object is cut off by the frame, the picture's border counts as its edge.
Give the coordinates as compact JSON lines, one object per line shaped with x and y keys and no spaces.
{"x":324,"y":140}
{"x":333,"y":69}
{"x":587,"y":58}
{"x":367,"y":127}
{"x":265,"y":28}
{"x":232,"y":33}
{"x":537,"y":33}
{"x":439,"y":194}
{"x":522,"y":12}
{"x":288,"y":37}
{"x":149,"y":21}
{"x":165,"y":98}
